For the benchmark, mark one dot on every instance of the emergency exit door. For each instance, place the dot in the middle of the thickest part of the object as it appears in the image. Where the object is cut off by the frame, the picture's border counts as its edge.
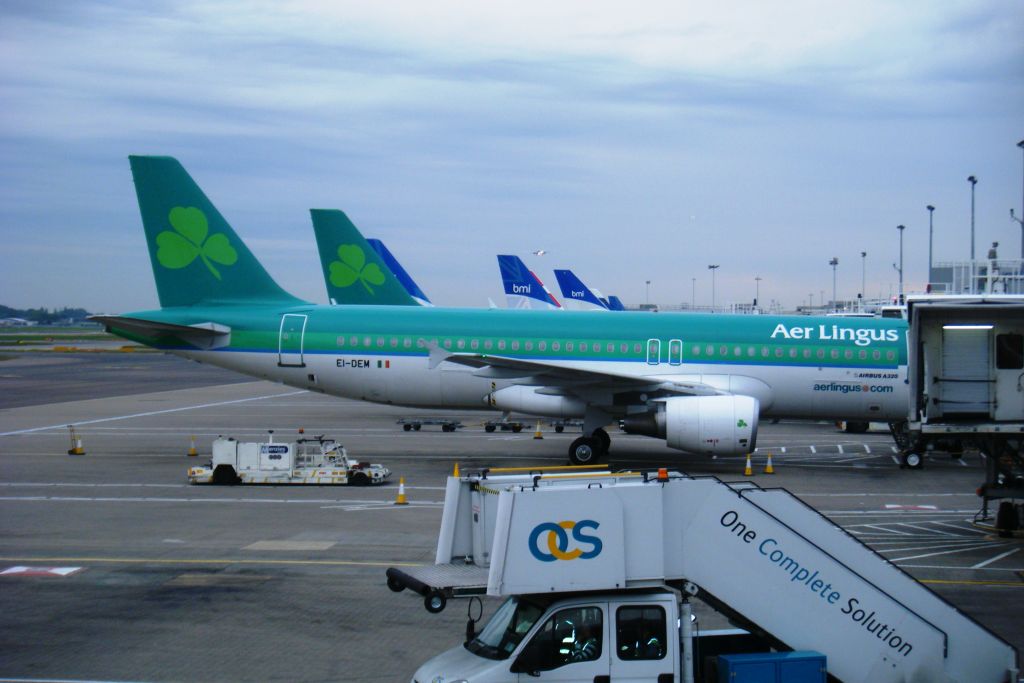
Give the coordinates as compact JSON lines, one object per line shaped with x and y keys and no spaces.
{"x":290,"y":340}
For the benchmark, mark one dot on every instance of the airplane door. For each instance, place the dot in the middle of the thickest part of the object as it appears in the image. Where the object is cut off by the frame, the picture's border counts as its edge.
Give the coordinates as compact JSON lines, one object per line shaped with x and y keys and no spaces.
{"x":653,"y":351}
{"x":290,"y":340}
{"x":675,"y":352}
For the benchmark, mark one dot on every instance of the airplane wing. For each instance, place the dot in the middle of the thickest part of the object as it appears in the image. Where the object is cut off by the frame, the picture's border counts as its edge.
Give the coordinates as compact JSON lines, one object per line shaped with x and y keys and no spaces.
{"x":561,"y":376}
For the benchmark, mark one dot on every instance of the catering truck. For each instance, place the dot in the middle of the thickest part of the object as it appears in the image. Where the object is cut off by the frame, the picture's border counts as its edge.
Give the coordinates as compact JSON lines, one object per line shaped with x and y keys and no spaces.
{"x":304,"y":461}
{"x":598,"y":571}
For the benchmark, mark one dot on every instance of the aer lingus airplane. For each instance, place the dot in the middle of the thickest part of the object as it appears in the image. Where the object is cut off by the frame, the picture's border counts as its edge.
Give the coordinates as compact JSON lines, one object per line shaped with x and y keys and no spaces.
{"x":700,"y":382}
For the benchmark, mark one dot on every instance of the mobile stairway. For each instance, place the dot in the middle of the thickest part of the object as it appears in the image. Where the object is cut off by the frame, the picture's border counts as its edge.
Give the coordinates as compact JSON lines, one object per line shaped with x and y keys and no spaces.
{"x":760,"y":555}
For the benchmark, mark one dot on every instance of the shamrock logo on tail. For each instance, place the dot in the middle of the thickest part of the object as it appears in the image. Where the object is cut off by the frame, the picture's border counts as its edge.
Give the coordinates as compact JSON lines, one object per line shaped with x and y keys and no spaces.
{"x":353,"y":267}
{"x":180,"y":248}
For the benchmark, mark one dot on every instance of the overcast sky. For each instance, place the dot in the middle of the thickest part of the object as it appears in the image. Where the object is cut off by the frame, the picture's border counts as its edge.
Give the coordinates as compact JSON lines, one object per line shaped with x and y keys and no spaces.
{"x":632,"y":141}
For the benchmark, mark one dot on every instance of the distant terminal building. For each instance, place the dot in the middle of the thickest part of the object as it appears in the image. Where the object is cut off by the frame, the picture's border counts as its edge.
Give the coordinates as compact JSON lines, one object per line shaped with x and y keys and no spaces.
{"x":16,"y":322}
{"x":991,"y":275}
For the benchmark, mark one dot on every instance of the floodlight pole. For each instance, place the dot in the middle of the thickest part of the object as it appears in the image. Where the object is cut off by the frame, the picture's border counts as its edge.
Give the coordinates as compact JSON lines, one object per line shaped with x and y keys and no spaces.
{"x":713,"y":268}
{"x":834,"y":263}
{"x":901,"y":228}
{"x":1021,"y":219}
{"x":973,"y":181}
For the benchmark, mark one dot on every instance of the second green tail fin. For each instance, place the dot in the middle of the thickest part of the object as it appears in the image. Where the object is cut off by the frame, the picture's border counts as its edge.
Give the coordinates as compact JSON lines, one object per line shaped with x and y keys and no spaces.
{"x":353,"y":271}
{"x":197,"y":258}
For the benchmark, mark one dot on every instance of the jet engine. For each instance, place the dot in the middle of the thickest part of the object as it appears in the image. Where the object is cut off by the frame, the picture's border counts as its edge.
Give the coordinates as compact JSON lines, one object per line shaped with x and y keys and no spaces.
{"x":523,"y":399}
{"x":716,"y":425}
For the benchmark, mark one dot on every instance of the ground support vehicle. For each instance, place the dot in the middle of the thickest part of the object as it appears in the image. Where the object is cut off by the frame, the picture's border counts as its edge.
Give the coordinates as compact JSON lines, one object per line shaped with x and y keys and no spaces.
{"x":966,"y":375}
{"x":415,"y":424}
{"x":561,"y":425}
{"x":305,"y":461}
{"x":599,"y":570}
{"x":503,"y":425}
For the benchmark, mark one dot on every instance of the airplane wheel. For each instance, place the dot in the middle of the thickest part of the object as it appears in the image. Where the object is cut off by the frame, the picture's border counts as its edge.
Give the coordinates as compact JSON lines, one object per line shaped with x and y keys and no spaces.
{"x":603,"y":439}
{"x":912,"y":460}
{"x":584,"y":451}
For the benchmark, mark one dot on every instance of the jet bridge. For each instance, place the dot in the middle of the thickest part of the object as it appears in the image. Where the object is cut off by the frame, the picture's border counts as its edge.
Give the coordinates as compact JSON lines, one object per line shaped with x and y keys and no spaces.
{"x":769,"y":559}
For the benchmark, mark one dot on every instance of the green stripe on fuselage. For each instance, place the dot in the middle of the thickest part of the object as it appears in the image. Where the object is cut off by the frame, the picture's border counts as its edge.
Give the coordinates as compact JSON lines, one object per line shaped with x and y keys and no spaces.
{"x":572,"y":336}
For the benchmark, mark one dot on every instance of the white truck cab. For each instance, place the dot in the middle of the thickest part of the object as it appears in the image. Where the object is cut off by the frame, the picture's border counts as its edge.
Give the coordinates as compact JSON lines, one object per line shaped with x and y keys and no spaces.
{"x":620,"y":636}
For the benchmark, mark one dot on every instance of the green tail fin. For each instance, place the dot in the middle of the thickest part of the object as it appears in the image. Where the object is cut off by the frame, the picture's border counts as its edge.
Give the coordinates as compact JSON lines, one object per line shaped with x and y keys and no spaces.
{"x":196,"y":256}
{"x":353,"y":271}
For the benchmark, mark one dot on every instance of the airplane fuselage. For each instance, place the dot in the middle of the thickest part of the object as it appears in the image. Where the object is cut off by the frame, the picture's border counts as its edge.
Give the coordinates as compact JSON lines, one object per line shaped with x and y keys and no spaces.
{"x":796,"y":366}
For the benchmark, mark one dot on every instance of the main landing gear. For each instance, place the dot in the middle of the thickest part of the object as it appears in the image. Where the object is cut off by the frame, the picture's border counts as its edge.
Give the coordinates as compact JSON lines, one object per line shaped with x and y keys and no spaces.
{"x":590,"y":450}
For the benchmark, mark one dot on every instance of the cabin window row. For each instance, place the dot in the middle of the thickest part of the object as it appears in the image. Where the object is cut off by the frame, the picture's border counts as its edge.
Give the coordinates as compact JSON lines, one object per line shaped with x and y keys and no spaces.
{"x":779,"y":352}
{"x":464,"y":344}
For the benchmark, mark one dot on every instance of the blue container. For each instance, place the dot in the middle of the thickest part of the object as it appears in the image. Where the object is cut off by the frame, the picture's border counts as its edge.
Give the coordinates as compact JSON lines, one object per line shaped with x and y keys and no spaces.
{"x":772,"y":667}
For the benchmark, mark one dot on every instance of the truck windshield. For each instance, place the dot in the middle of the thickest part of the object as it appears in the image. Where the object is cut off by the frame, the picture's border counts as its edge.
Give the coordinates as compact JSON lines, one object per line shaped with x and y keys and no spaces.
{"x":509,"y":625}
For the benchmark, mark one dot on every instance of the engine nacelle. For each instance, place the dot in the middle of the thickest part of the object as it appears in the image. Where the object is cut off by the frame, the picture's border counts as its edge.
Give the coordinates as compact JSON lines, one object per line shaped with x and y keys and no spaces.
{"x":716,"y":425}
{"x":522,"y":399}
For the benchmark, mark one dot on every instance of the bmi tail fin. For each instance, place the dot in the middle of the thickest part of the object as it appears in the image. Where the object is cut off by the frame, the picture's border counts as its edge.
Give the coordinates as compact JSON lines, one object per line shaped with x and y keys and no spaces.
{"x":615,"y":304}
{"x":353,"y":272}
{"x":403,"y":276}
{"x":197,"y":258}
{"x":573,"y":290}
{"x":523,"y":289}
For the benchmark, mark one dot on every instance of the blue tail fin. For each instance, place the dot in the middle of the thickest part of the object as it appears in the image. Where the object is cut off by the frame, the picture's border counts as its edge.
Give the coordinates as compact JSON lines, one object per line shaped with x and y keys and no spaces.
{"x":522,"y":288}
{"x":403,"y":277}
{"x":615,"y":304}
{"x":573,"y":290}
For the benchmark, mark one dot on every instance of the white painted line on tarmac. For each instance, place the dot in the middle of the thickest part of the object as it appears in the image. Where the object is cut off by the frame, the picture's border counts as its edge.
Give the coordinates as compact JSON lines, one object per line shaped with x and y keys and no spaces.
{"x":867,"y":449}
{"x":928,"y":530}
{"x":980,"y":569}
{"x":152,"y":412}
{"x":894,"y":458}
{"x":127,"y":499}
{"x":887,"y":530}
{"x":994,"y":559}
{"x":813,"y":449}
{"x":945,"y":552}
{"x":59,"y":680}
{"x":962,"y":528}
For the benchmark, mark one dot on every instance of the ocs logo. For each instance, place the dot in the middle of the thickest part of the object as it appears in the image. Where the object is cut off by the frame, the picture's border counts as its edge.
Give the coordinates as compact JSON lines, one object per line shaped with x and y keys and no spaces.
{"x":556,"y":541}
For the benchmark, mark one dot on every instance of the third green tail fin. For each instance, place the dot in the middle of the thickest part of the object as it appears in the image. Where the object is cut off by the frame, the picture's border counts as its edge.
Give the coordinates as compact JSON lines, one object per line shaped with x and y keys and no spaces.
{"x":353,"y":271}
{"x":197,"y":258}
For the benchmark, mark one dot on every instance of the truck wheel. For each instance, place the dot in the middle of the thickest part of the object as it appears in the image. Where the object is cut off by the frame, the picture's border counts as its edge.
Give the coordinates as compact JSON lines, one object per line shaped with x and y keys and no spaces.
{"x":489,"y":428}
{"x":559,"y":428}
{"x":912,"y":460}
{"x":416,"y":427}
{"x":517,"y":428}
{"x":359,"y":479}
{"x":435,"y":601}
{"x":225,"y":475}
{"x":395,"y":585}
{"x":407,"y":427}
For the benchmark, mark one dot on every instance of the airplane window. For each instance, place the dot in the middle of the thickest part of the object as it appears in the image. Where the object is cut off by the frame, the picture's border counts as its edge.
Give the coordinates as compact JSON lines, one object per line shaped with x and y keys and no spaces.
{"x":821,"y":353}
{"x":447,"y":343}
{"x":341,"y":341}
{"x":807,"y":353}
{"x":367,"y":342}
{"x":529,"y":346}
{"x":710,"y":350}
{"x":583,"y":346}
{"x":353,"y":341}
{"x":792,"y":353}
{"x":848,"y":354}
{"x":834,"y":354}
{"x":421,"y":343}
{"x":461,"y":343}
{"x":764,"y":352}
{"x":555,"y":346}
{"x":394,"y":342}
{"x":407,"y":343}
{"x":515,"y":344}
{"x":737,"y":351}
{"x":890,"y":355}
{"x":876,"y":355}
{"x":568,"y":346}
{"x":488,"y":344}
{"x":723,"y":351}
{"x":610,"y":348}
{"x":863,"y":354}
{"x":475,"y":344}
{"x":696,"y":350}
{"x":778,"y":352}
{"x":751,"y":351}
{"x":637,"y":348}
{"x":542,"y":346}
{"x":380,"y":341}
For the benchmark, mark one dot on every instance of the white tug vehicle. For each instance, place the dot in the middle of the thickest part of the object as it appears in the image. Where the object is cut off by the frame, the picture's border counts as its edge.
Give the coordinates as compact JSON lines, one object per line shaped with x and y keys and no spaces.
{"x":316,"y":461}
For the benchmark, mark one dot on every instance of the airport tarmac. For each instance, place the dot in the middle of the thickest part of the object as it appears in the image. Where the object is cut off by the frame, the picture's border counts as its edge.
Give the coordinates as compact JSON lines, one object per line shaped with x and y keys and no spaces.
{"x":162,"y":581}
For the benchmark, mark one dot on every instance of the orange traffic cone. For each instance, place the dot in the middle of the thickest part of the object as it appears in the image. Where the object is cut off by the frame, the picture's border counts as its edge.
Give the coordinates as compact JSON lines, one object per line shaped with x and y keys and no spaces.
{"x":192,"y":452}
{"x":455,"y":472}
{"x":768,"y":469}
{"x":401,"y":492}
{"x":537,"y":434}
{"x":76,"y":443}
{"x":748,"y":471}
